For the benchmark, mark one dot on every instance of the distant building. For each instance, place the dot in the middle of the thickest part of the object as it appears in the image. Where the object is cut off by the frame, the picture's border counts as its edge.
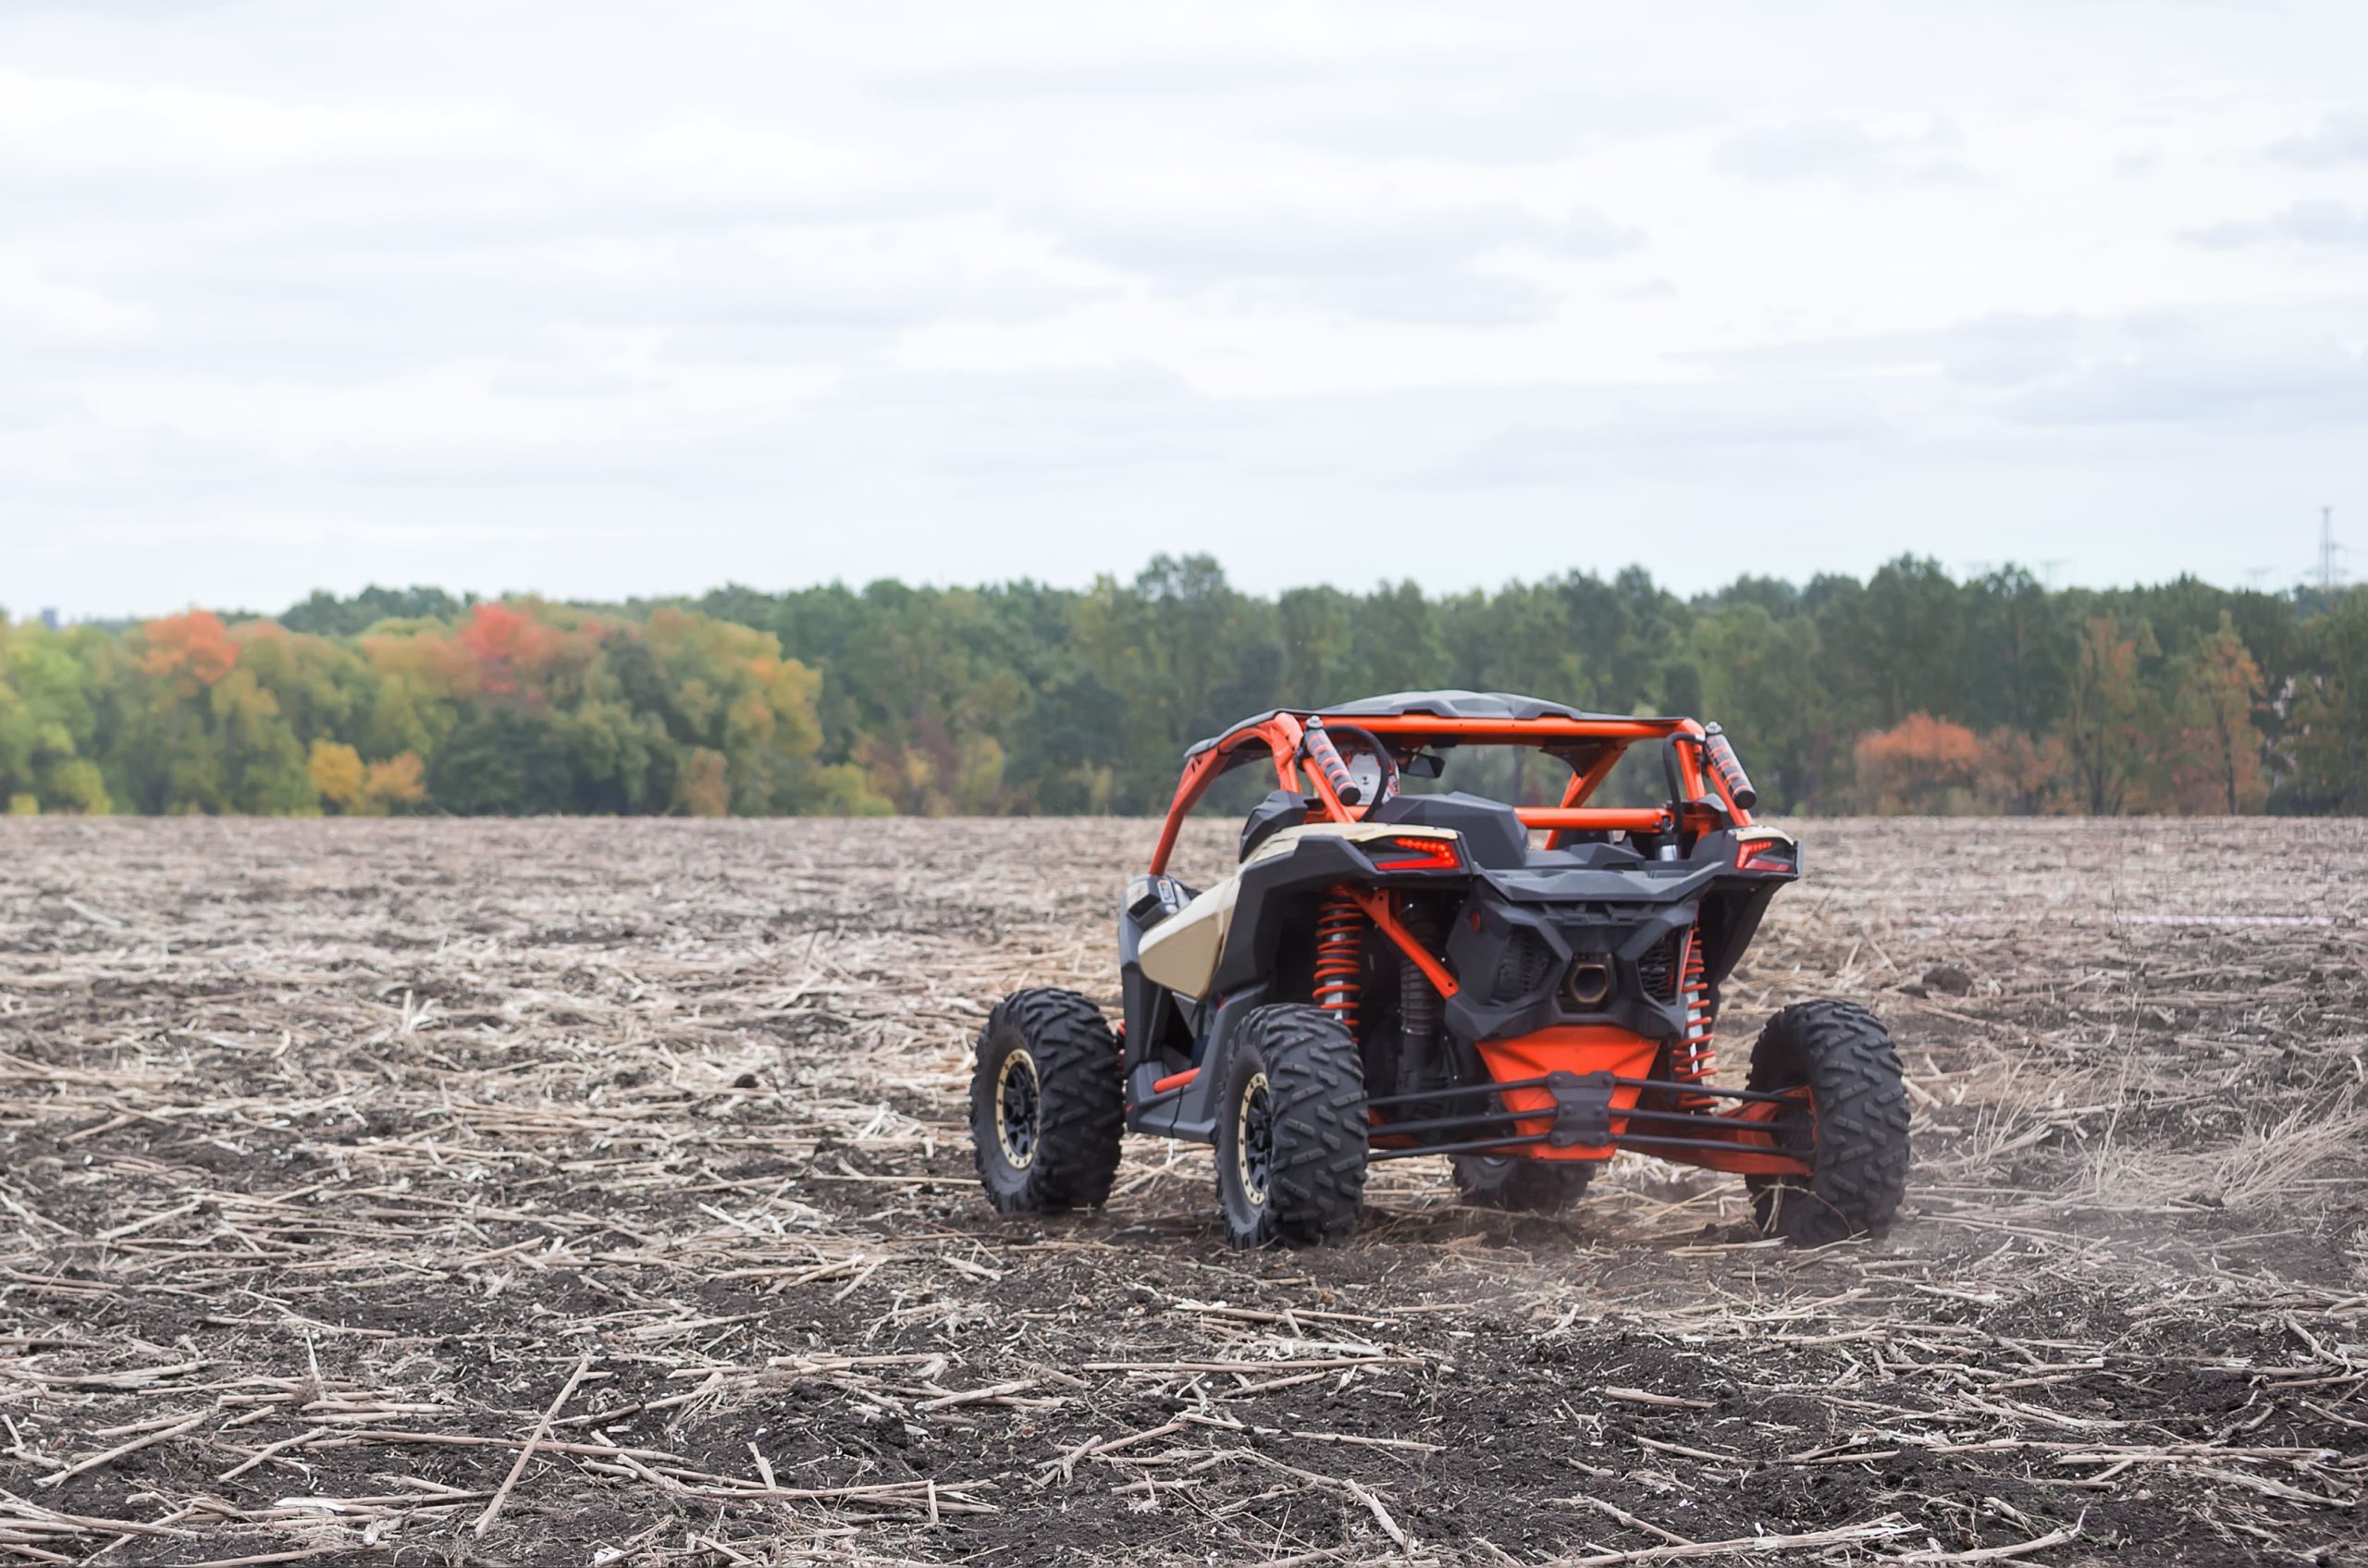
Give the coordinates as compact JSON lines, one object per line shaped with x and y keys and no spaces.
{"x":49,"y":617}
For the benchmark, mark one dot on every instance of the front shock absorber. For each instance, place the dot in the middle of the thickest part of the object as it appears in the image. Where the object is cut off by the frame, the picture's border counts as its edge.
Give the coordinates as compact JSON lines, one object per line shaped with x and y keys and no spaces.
{"x":1695,"y":1056}
{"x":1340,"y":957}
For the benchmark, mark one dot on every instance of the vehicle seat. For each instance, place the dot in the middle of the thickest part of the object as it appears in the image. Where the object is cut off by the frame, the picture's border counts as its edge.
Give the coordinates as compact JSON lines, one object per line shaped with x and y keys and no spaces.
{"x":1150,"y":900}
{"x":1492,"y":833}
{"x":1281,"y":809}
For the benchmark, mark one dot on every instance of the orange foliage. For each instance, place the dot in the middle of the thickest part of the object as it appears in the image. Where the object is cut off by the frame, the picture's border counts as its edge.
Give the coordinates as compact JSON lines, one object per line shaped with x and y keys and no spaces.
{"x":1921,"y":765}
{"x":191,"y":652}
{"x":509,"y":647}
{"x":2020,"y":776}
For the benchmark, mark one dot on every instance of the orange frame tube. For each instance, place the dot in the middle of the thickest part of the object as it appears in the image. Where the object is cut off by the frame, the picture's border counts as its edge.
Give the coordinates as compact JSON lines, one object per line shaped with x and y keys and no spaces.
{"x":1282,"y":733}
{"x":1375,"y":904}
{"x":1574,"y":1048}
{"x":1612,"y":819}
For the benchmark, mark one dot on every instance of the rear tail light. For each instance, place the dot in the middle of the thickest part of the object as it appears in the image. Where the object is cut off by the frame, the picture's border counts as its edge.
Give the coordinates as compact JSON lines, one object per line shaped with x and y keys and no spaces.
{"x":1416,"y":854}
{"x":1766,"y":855}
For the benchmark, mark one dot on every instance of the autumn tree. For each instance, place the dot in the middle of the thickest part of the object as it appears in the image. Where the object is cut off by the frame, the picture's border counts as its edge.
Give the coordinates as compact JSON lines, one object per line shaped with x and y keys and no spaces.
{"x":338,"y":775}
{"x":1023,"y":696}
{"x":396,"y":784}
{"x":187,"y":654}
{"x":1920,"y":764}
{"x":2216,"y":749}
{"x":2103,"y":729}
{"x":2021,"y":775}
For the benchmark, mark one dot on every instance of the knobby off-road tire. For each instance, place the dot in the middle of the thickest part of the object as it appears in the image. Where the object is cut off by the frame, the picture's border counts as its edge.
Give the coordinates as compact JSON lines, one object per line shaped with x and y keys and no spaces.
{"x":1519,"y":1186}
{"x":1291,"y":1130}
{"x":1047,"y":1104}
{"x":1856,"y":1136}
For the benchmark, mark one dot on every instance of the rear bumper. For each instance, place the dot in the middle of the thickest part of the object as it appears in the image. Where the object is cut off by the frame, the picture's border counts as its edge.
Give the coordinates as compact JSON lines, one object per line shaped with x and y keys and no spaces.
{"x":1583,"y":1091}
{"x":1589,"y":1051}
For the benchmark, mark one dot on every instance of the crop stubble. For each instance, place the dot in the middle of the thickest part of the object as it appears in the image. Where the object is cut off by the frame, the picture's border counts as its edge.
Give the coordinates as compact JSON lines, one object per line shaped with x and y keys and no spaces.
{"x":580,"y":1191}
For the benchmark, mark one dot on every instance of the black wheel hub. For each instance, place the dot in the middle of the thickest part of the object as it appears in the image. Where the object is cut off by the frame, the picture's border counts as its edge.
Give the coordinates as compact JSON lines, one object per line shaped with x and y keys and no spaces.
{"x":1018,"y":1098}
{"x":1796,"y":1130}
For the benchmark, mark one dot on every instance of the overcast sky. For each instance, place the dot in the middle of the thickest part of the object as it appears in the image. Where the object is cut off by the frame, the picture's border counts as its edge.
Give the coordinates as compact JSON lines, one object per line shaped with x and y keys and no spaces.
{"x":596,"y":299}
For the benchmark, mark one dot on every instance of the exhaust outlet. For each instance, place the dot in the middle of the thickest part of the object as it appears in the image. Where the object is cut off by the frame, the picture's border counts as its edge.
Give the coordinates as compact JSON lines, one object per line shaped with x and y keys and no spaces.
{"x":1589,"y":981}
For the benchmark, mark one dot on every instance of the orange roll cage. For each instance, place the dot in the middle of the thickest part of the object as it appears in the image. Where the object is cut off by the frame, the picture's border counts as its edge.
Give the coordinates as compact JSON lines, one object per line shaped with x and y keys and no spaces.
{"x":1705,"y":798}
{"x":1283,"y":735}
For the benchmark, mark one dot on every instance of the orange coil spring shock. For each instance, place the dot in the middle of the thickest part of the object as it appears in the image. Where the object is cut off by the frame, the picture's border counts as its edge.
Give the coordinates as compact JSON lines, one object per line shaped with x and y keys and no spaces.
{"x":1695,"y":1056}
{"x":1340,"y":958}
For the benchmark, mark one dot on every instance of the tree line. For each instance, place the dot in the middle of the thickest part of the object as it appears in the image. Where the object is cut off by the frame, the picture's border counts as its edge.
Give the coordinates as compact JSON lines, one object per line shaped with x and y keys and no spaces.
{"x":1911,"y":691}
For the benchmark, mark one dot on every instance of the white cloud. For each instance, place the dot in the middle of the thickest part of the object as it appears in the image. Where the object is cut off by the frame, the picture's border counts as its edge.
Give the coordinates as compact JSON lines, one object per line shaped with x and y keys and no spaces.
{"x":1385,"y":254}
{"x":597,"y":299}
{"x":2304,"y":223}
{"x":1830,"y":149}
{"x":2339,"y":139}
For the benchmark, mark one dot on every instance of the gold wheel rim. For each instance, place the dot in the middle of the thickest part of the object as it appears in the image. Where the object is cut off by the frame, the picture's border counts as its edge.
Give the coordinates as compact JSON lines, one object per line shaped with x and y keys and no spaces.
{"x":1252,"y":1187}
{"x":1020,"y":1158}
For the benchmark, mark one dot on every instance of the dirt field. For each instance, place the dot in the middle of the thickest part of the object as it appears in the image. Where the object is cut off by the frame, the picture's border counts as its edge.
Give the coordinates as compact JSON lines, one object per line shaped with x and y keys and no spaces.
{"x":339,"y":1162}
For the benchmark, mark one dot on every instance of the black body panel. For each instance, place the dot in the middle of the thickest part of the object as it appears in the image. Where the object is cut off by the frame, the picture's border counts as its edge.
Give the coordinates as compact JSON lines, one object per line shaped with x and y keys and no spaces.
{"x":1455,"y":704}
{"x":1493,"y":835}
{"x":1511,"y":961}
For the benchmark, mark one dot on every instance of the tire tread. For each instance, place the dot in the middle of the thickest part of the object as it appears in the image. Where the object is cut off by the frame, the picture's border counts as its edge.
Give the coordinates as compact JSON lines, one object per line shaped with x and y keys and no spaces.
{"x":1082,"y":1109}
{"x":1315,"y":1081}
{"x":1860,"y":1168}
{"x":1526,"y":1187}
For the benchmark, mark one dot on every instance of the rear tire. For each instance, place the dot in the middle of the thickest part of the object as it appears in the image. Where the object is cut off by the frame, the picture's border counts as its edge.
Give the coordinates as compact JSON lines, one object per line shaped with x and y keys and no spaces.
{"x":1521,"y":1186}
{"x":1291,"y":1130}
{"x":1854,"y":1134}
{"x":1047,"y":1104}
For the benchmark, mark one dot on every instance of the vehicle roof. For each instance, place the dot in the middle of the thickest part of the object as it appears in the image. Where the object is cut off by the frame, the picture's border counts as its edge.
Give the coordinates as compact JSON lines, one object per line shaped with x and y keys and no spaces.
{"x":1504,"y":706}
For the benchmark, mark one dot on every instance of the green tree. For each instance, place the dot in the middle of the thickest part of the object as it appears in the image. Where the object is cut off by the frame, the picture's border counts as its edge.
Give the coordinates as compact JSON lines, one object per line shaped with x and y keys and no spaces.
{"x":2330,"y":712}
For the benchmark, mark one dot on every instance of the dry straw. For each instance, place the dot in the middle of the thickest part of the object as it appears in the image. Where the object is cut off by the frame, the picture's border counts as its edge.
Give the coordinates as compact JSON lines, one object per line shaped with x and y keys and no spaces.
{"x":595,"y":1193}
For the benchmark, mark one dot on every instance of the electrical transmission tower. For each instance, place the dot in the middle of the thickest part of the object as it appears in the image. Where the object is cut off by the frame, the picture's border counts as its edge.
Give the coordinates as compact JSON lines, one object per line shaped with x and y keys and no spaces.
{"x":2328,"y":576}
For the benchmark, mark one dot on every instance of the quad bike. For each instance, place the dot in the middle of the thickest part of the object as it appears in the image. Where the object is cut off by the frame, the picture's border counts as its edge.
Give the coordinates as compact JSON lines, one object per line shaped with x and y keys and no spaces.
{"x":1391,"y":973}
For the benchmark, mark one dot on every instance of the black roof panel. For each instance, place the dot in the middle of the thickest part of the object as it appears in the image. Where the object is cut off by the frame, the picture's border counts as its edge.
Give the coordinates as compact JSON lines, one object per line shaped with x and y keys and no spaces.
{"x":1502,"y":705}
{"x":1459,"y":705}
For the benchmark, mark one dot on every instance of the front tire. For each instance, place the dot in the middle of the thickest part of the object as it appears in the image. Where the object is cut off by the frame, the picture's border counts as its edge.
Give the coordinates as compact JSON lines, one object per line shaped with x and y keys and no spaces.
{"x":1047,"y":1104}
{"x":1291,"y":1130}
{"x":1521,"y":1186}
{"x":1853,"y":1132}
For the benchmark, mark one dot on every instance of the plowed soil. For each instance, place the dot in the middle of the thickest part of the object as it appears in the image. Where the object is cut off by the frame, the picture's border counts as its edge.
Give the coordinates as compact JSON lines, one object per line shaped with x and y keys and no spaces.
{"x":342,"y":1165}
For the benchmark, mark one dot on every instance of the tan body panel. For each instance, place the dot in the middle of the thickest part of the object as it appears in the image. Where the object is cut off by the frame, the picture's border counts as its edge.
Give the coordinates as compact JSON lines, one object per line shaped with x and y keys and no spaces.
{"x":1181,"y":951}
